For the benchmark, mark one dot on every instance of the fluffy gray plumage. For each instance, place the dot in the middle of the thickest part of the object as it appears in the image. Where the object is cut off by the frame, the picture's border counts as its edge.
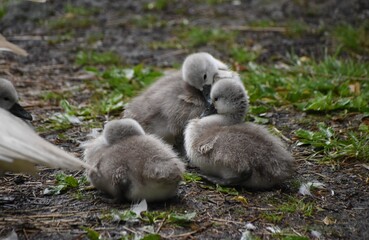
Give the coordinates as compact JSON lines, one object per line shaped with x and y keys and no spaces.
{"x":132,"y":165}
{"x":231,"y":152}
{"x":165,"y":108}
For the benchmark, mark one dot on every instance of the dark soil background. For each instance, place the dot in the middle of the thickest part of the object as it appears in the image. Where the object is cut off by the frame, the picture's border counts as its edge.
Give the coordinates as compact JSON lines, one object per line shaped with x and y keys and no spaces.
{"x":344,"y":204}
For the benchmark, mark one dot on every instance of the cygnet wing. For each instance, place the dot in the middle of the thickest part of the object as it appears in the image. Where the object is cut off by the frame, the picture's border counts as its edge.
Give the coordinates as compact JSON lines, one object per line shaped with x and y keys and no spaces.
{"x":19,"y":143}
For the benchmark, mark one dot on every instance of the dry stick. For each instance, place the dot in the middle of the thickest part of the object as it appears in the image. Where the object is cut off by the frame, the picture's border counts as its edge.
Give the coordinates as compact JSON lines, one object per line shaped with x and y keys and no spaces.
{"x":130,"y":230}
{"x":160,"y":226}
{"x":25,"y":234}
{"x":225,"y":220}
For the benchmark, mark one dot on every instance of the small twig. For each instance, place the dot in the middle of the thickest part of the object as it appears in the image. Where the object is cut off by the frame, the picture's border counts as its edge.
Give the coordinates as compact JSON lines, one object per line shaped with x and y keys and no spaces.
{"x":281,"y":135}
{"x":160,"y":226}
{"x":225,"y":220}
{"x":25,"y":234}
{"x":130,"y":230}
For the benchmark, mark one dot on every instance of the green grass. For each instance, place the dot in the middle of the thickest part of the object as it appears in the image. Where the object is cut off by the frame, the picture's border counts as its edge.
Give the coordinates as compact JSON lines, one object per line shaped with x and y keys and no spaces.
{"x":3,"y":8}
{"x":318,"y":87}
{"x":336,"y":144}
{"x":297,"y":29}
{"x":194,"y":37}
{"x":329,"y":87}
{"x":288,"y":205}
{"x":158,"y":5}
{"x":148,"y":21}
{"x":150,"y":217}
{"x":64,"y":183}
{"x":203,"y":36}
{"x":353,"y":39}
{"x":92,"y":58}
{"x":242,"y":55}
{"x":74,"y":17}
{"x":111,"y":89}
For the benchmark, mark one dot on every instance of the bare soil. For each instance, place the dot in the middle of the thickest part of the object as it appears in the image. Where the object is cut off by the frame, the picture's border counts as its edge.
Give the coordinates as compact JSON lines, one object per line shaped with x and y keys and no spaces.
{"x":342,"y":209}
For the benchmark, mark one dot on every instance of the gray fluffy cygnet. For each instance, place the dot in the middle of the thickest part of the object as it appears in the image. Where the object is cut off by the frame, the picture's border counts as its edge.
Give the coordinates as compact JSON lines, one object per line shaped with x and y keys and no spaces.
{"x":230,"y":152}
{"x":165,"y":108}
{"x":132,"y":165}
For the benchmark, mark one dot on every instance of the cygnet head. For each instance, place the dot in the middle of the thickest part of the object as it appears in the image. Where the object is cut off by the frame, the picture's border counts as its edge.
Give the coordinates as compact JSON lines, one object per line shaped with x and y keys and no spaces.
{"x":200,"y":71}
{"x":117,"y":130}
{"x":229,"y":98}
{"x":9,"y":100}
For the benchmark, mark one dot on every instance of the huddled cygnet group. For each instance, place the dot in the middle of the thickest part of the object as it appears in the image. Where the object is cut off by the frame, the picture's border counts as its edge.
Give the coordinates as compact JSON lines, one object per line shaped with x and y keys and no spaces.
{"x":199,"y":109}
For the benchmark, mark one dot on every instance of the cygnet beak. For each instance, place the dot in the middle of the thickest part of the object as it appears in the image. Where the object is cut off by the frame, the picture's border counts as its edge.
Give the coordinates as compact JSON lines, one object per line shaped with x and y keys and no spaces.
{"x":19,"y":111}
{"x":206,"y":93}
{"x":210,"y":110}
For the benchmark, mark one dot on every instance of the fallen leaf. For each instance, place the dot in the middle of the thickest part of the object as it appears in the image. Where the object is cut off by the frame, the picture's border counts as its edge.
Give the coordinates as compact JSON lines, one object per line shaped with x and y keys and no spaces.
{"x":329,"y":221}
{"x":241,"y":199}
{"x":355,"y":88}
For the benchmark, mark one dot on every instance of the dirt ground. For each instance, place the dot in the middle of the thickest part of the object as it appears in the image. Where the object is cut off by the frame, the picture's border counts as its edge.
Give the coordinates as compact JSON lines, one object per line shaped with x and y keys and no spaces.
{"x":342,"y":207}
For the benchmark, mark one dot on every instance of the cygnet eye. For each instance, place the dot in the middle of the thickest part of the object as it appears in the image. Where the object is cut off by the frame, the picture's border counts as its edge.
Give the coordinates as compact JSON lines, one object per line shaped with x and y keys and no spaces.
{"x":205,"y":76}
{"x":216,"y":99}
{"x":6,"y":99}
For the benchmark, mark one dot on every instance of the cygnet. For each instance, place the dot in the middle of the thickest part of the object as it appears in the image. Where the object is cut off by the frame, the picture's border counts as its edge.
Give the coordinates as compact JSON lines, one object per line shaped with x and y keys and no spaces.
{"x":165,"y":108}
{"x":20,"y":147}
{"x":230,"y":152}
{"x":132,"y":165}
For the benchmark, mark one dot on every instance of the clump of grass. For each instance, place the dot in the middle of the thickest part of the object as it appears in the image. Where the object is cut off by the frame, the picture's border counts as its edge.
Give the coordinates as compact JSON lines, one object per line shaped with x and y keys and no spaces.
{"x":195,"y":37}
{"x":262,"y":23}
{"x":324,"y":86}
{"x":97,"y":58}
{"x":3,"y":8}
{"x":297,"y":28}
{"x":272,"y":217}
{"x":334,"y":145}
{"x":64,"y":183}
{"x":353,"y":38}
{"x":159,"y":5}
{"x":74,"y":18}
{"x":115,"y":86}
{"x":66,"y":23}
{"x":148,"y":21}
{"x":286,"y":206}
{"x":221,"y":189}
{"x":296,"y":205}
{"x":191,"y":177}
{"x":242,"y":55}
{"x":150,"y":217}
